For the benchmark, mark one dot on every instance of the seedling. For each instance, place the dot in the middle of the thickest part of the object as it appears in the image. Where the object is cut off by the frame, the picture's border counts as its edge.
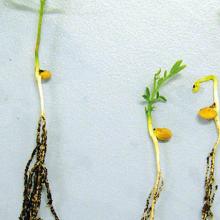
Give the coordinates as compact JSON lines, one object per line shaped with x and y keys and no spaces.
{"x":210,"y":113}
{"x":35,"y":177}
{"x":162,"y":134}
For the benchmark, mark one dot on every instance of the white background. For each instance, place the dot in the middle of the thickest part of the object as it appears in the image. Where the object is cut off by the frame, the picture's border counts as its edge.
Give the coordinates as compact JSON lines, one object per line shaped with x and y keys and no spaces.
{"x":102,"y":55}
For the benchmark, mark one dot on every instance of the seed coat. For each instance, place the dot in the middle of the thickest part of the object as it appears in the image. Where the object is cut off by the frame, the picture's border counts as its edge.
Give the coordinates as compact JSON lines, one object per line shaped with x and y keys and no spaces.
{"x":163,"y":134}
{"x":45,"y":74}
{"x":207,"y":113}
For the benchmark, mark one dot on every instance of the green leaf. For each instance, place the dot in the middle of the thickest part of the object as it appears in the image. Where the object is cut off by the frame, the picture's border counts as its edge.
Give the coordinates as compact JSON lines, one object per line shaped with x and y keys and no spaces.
{"x":157,"y":74}
{"x":146,"y":98}
{"x":165,"y":74}
{"x":156,"y":77}
{"x":162,"y":99}
{"x":160,"y":81}
{"x":145,"y":110}
{"x":147,"y":92}
{"x":181,"y":68}
{"x":177,"y":67}
{"x":158,"y":95}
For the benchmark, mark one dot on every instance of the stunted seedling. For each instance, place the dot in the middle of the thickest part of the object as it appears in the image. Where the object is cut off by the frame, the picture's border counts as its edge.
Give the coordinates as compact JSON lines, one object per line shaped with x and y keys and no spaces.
{"x":152,"y":96}
{"x":35,"y":177}
{"x":210,"y":113}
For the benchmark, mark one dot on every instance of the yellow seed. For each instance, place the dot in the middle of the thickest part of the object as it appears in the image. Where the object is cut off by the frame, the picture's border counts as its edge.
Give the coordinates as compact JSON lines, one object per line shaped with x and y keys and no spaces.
{"x":45,"y":74}
{"x":163,"y":134}
{"x":208,"y":113}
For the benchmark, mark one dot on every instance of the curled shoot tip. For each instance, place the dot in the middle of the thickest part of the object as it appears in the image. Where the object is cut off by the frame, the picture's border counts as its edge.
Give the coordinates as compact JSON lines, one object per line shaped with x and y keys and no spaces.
{"x":197,"y":84}
{"x":196,"y":87}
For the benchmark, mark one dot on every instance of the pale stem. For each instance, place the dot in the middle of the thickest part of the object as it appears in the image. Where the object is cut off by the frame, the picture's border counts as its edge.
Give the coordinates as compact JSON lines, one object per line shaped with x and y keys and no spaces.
{"x":217,"y":122}
{"x":157,"y":157}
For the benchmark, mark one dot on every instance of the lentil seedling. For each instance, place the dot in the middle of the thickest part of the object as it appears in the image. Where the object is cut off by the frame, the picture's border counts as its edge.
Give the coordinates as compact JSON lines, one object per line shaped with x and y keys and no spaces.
{"x":36,"y":178}
{"x":163,"y":134}
{"x":210,"y":113}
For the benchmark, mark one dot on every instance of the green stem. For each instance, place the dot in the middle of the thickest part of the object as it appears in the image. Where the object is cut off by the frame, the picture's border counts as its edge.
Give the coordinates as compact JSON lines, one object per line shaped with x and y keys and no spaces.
{"x":37,"y":62}
{"x":41,"y":13}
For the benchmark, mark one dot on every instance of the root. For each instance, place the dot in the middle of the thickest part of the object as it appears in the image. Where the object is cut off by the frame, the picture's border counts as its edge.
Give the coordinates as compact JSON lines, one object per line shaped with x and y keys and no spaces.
{"x":36,"y":178}
{"x":210,"y":187}
{"x":153,"y":198}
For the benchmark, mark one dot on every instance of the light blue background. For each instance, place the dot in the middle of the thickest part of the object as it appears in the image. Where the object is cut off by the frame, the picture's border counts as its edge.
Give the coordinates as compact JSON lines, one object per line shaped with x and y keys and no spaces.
{"x":102,"y":55}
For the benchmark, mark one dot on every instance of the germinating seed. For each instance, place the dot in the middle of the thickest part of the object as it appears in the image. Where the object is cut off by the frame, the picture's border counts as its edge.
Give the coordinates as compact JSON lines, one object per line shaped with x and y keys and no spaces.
{"x":151,"y":97}
{"x":210,"y":113}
